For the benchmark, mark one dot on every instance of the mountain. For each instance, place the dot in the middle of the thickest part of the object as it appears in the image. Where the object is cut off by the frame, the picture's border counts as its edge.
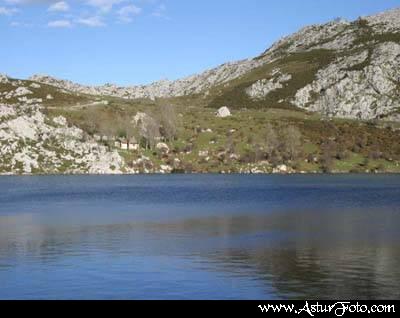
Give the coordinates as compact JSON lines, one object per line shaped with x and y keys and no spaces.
{"x":355,"y":72}
{"x":326,"y":98}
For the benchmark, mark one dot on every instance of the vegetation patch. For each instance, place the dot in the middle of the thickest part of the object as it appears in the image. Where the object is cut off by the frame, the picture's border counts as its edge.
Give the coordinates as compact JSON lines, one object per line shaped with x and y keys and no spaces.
{"x":303,"y":68}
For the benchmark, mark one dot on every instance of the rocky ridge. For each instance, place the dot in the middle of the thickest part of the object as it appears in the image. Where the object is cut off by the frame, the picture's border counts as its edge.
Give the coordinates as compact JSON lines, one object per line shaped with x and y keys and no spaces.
{"x":362,"y":83}
{"x":348,"y":89}
{"x":191,"y":85}
{"x":30,"y":142}
{"x":263,"y":87}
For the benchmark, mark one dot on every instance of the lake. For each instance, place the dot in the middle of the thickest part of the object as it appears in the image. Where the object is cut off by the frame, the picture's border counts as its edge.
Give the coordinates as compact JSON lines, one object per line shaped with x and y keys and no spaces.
{"x":200,"y":237}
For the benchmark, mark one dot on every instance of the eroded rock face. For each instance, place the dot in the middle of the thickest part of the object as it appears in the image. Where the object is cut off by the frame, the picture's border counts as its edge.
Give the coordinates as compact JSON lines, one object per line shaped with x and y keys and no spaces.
{"x":25,"y":127}
{"x":318,"y":36}
{"x":362,"y":86}
{"x":6,"y":111}
{"x":338,"y":35}
{"x":35,"y":85}
{"x":262,"y":88}
{"x":31,"y":143}
{"x":22,"y":91}
{"x":388,"y":21}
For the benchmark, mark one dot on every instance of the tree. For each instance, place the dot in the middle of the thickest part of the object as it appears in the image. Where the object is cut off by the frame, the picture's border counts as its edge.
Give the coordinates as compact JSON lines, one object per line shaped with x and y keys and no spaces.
{"x":361,"y":22}
{"x":108,"y":129}
{"x":328,"y":153}
{"x":169,"y":122}
{"x":149,"y":130}
{"x":130,"y":129}
{"x":271,"y":141}
{"x":292,"y":142}
{"x":153,"y":132}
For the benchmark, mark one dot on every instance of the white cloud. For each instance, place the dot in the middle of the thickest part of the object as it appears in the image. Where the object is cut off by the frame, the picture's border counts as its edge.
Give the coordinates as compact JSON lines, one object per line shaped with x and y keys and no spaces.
{"x":61,"y":6}
{"x":91,"y":13}
{"x":16,"y":24}
{"x":104,"y":5}
{"x":95,"y":21}
{"x":127,"y":13}
{"x":16,"y":1}
{"x":30,"y":1}
{"x":59,"y":24}
{"x":8,"y":11}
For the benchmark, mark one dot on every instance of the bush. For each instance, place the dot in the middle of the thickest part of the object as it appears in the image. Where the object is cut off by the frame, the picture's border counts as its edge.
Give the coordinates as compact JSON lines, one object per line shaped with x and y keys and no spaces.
{"x":248,"y":157}
{"x":342,"y":155}
{"x":291,"y":142}
{"x":375,"y":155}
{"x":362,"y":23}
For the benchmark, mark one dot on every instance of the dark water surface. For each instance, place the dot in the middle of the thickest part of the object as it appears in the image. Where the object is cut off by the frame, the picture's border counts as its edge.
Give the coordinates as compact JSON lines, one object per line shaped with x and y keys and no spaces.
{"x":200,"y":237}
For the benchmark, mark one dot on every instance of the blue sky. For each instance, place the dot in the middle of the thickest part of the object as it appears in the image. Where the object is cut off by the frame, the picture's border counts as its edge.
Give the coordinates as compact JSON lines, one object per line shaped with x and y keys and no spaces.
{"x":140,"y":41}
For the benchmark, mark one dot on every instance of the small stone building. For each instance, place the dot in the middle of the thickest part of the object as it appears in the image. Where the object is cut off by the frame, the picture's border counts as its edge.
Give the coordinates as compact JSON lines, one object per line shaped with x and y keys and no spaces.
{"x":127,"y":144}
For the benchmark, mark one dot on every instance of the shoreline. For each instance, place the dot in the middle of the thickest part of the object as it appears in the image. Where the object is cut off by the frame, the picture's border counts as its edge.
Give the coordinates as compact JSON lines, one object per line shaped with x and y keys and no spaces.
{"x":198,"y":173}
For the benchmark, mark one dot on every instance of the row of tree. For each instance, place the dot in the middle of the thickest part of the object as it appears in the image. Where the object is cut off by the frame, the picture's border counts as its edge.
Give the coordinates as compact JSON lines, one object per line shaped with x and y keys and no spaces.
{"x":152,"y":126}
{"x":280,"y":145}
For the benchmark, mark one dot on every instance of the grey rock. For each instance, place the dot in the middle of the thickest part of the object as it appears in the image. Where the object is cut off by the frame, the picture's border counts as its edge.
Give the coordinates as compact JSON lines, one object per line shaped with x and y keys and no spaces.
{"x":224,"y":112}
{"x":262,"y":88}
{"x":4,"y":79}
{"x":367,"y":93}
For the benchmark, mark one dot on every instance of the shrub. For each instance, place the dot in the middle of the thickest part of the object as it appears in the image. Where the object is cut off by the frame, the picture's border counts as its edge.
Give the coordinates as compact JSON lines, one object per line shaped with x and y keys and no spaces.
{"x":291,"y":142}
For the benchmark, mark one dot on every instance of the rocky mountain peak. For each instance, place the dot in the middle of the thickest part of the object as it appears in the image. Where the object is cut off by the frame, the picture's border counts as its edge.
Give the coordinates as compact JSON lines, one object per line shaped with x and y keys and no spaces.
{"x":366,"y":53}
{"x":388,"y":21}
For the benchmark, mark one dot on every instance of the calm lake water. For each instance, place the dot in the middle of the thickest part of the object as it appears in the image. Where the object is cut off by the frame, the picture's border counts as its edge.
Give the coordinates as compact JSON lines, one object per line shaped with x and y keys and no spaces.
{"x":200,"y":237}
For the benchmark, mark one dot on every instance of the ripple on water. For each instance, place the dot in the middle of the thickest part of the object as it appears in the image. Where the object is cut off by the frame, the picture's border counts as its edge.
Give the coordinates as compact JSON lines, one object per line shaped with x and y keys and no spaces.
{"x":200,"y":237}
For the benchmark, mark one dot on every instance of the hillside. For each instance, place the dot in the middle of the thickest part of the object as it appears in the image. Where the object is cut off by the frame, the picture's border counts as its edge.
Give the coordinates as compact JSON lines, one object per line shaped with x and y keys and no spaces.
{"x":331,"y":67}
{"x":326,"y":98}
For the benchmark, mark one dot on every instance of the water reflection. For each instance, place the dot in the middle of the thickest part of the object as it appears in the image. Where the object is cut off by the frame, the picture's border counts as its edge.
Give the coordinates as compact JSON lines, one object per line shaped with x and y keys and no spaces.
{"x":221,"y":253}
{"x":298,"y":255}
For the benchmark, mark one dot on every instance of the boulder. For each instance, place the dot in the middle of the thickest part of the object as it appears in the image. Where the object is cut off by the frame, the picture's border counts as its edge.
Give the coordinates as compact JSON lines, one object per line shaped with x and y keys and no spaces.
{"x":60,"y":121}
{"x":163,"y":147}
{"x":203,"y":153}
{"x":22,"y":91}
{"x":35,"y":85}
{"x":166,"y":168}
{"x":281,"y":169}
{"x":4,"y":79}
{"x":224,"y":112}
